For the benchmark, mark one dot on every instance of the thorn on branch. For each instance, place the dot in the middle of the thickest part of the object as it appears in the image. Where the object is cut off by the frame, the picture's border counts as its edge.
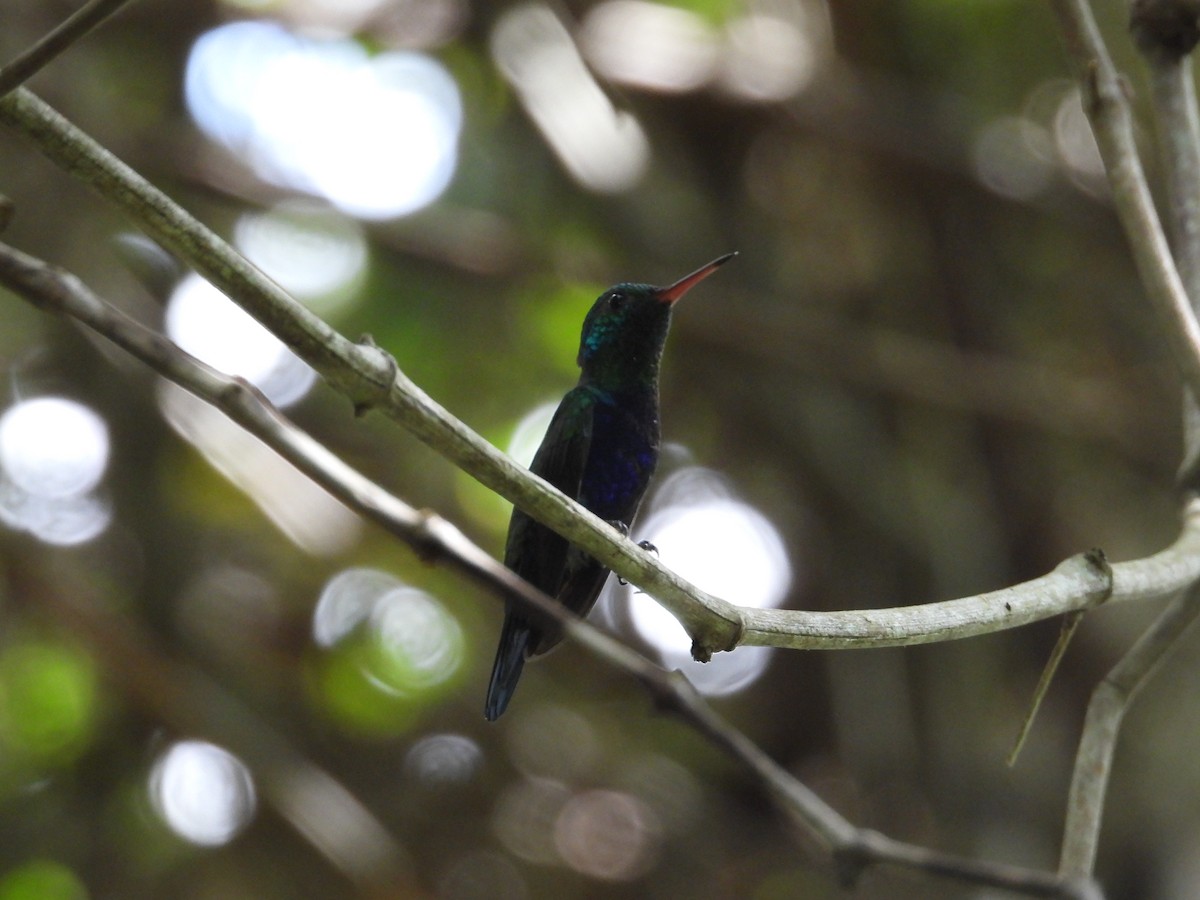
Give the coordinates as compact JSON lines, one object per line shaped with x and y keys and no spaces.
{"x":716,"y":637}
{"x":427,"y":544}
{"x":1093,"y":566}
{"x":239,"y":392}
{"x":389,"y":370}
{"x":1069,"y":625}
{"x":1098,"y":561}
{"x":1099,"y":92}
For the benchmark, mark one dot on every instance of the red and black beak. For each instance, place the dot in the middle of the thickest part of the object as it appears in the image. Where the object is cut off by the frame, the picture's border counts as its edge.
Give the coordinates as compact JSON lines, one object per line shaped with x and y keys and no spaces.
{"x":673,"y":292}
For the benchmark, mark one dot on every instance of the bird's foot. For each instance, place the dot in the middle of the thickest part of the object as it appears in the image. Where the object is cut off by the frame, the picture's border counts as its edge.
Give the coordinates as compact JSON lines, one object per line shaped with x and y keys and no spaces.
{"x":645,"y":545}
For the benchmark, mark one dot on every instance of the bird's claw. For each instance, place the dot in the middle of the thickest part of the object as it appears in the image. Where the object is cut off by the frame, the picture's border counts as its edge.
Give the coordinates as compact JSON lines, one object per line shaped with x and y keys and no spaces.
{"x":645,"y":545}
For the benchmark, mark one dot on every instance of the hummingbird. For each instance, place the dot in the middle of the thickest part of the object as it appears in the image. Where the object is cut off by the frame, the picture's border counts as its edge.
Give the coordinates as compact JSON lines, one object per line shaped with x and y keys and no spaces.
{"x":601,"y":448}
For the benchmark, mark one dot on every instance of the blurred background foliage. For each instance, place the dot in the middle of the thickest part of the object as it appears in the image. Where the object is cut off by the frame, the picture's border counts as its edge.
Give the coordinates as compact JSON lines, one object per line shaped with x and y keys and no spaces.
{"x":930,"y":373}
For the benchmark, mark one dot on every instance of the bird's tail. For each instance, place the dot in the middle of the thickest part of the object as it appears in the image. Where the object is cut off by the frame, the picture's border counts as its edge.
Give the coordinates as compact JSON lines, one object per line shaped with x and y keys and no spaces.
{"x":506,"y":671}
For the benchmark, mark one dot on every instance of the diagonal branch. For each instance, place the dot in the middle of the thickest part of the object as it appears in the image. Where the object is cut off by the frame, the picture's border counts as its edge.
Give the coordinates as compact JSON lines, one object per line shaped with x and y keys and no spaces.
{"x":30,"y":61}
{"x":1107,"y":109}
{"x":371,"y":378}
{"x":1166,"y":33}
{"x":853,"y":849}
{"x":1101,"y":727}
{"x":365,"y":374}
{"x":432,"y":537}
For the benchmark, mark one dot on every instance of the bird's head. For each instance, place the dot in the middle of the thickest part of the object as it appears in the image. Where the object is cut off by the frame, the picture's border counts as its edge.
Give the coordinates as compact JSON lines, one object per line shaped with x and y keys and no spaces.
{"x":624,"y":332}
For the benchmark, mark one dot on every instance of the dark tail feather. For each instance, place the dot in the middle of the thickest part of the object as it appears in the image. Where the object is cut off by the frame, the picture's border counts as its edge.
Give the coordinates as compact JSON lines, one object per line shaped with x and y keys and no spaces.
{"x":506,"y":671}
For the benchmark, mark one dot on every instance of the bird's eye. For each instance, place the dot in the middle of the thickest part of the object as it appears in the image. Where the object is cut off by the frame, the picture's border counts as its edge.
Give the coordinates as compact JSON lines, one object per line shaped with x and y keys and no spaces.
{"x":616,"y":300}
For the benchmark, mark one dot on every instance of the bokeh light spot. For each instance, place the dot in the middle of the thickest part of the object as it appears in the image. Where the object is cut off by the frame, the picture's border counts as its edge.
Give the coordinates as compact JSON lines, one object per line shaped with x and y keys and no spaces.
{"x":53,"y":447}
{"x":62,"y":521}
{"x":42,"y":879}
{"x":774,"y":55}
{"x":524,"y":819}
{"x":1012,"y":156}
{"x":421,"y":643}
{"x":603,"y":148}
{"x":204,"y":322}
{"x":47,"y":702}
{"x":538,"y":734}
{"x":723,"y":546}
{"x":608,"y":835}
{"x":204,"y":793}
{"x":727,"y":547}
{"x":355,"y":699}
{"x":443,"y":759}
{"x":314,"y":253}
{"x":346,"y":601}
{"x":376,"y":136}
{"x":390,"y":649}
{"x":53,"y":455}
{"x":650,"y":44}
{"x":666,"y":786}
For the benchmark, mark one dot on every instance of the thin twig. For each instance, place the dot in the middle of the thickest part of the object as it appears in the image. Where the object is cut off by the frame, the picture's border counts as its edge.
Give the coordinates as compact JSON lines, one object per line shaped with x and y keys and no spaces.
{"x":33,"y":59}
{"x":1093,"y":762}
{"x":1070,"y":625}
{"x":852,"y":849}
{"x":1078,"y":583}
{"x":1177,"y":119}
{"x":1166,"y":33}
{"x":1107,"y":109}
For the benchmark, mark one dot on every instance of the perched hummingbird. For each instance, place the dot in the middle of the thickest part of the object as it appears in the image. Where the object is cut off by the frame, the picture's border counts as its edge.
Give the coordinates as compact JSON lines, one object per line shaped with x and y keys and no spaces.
{"x":601,"y":448}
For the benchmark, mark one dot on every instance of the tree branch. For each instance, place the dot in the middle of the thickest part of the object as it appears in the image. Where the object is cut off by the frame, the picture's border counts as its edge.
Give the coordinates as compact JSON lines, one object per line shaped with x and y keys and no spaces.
{"x":364,"y":373}
{"x":1078,"y":583}
{"x":1107,"y":109}
{"x":1166,"y":33}
{"x":372,"y":379}
{"x":852,"y":849}
{"x":432,"y":537}
{"x":29,"y":62}
{"x":1093,"y":762}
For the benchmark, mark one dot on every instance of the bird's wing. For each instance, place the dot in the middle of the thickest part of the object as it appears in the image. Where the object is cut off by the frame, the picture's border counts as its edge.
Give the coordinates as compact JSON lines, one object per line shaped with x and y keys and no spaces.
{"x":533,"y":551}
{"x":561,"y":457}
